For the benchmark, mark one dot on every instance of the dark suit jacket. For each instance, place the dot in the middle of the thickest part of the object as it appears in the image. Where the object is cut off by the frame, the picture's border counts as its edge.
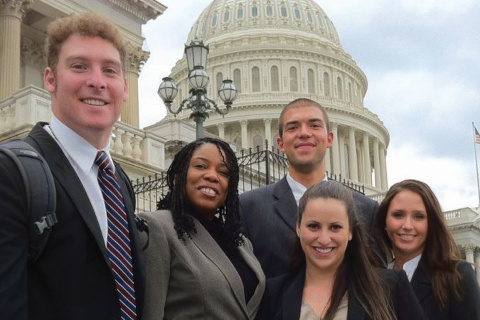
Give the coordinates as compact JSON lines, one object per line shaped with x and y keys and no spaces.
{"x":466,"y":309}
{"x":72,"y":278}
{"x":283,"y":298}
{"x":269,"y":217}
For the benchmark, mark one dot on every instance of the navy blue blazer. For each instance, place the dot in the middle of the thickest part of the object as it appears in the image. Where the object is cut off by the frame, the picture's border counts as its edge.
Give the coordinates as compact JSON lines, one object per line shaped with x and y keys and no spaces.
{"x":283,"y":298}
{"x":269,"y":218}
{"x":72,"y":278}
{"x":466,"y":309}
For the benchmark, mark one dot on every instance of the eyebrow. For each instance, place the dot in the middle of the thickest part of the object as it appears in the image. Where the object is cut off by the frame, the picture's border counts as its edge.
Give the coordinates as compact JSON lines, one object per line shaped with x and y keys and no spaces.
{"x":83,"y":58}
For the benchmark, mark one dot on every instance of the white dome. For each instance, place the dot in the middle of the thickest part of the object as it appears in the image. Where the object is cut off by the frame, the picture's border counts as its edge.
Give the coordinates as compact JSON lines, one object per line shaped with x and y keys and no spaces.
{"x":232,"y":18}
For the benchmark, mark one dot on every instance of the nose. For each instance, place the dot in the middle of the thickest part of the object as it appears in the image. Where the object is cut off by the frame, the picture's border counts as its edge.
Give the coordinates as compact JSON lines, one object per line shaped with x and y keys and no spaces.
{"x":211,"y":175}
{"x":407,"y":224}
{"x":96,"y":80}
{"x":323,"y":238}
{"x":304,"y":131}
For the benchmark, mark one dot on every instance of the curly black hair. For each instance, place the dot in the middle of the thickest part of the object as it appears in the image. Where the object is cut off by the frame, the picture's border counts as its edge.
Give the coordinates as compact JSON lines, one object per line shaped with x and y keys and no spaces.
{"x":176,"y":200}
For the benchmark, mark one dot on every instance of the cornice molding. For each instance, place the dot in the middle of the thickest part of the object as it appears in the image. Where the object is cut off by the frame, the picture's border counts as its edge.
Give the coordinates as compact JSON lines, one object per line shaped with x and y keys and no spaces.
{"x":144,"y":10}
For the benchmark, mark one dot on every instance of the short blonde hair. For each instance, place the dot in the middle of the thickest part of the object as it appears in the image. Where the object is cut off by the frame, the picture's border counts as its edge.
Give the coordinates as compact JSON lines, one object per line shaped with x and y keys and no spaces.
{"x":86,"y":24}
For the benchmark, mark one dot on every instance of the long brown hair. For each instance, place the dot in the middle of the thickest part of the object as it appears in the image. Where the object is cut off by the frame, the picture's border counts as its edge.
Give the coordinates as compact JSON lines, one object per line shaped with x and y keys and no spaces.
{"x":440,"y":255}
{"x":357,"y":272}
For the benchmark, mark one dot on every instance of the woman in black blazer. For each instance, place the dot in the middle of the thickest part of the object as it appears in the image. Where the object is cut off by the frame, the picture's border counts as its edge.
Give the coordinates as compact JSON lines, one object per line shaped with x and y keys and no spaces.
{"x":411,"y":229}
{"x":333,"y":276}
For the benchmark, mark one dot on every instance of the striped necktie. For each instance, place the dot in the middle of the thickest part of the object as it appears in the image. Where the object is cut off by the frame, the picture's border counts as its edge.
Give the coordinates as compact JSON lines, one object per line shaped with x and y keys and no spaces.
{"x":118,"y":239}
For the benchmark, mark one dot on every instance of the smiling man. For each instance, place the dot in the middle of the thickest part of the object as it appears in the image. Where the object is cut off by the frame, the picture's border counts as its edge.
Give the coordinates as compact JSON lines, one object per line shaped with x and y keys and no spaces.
{"x":85,"y":270}
{"x":269,"y":212}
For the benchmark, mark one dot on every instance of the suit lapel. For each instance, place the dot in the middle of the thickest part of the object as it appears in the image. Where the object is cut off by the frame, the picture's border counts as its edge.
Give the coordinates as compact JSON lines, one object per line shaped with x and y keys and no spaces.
{"x":355,"y":309}
{"x":207,"y":245}
{"x":293,"y":296}
{"x":68,"y":179}
{"x":253,"y":263}
{"x":285,"y":204}
{"x":421,"y":284}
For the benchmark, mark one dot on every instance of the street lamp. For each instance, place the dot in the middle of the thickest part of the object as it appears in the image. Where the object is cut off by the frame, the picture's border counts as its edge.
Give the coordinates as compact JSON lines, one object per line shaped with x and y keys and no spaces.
{"x":198,"y":102}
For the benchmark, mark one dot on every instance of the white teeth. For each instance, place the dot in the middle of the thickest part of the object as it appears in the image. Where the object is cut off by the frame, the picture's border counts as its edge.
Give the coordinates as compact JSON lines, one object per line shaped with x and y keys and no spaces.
{"x":407,"y":236}
{"x":208,"y":190}
{"x":327,"y":250}
{"x":94,"y":102}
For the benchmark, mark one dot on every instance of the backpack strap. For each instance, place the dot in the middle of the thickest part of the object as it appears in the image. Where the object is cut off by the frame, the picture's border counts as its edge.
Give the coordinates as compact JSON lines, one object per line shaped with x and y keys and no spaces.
{"x":40,"y":192}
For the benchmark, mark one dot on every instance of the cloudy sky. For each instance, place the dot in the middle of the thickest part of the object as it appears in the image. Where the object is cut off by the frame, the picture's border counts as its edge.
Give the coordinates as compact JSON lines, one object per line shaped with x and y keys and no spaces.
{"x":422,"y":61}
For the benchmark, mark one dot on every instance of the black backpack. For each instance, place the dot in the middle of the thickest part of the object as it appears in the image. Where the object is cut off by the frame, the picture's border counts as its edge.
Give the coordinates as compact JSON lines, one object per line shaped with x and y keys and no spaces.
{"x":40,"y":193}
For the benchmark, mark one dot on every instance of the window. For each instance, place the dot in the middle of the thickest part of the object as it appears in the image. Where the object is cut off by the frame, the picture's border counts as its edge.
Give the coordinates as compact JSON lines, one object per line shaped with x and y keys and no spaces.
{"x":293,"y":79}
{"x":349,"y":93}
{"x":257,"y":143}
{"x":255,"y":79}
{"x":240,"y":13}
{"x":309,"y":17}
{"x":339,"y":88}
{"x":275,"y":79}
{"x":237,"y":80}
{"x":283,"y":12}
{"x":311,"y":81}
{"x":297,"y":14}
{"x":254,"y":12}
{"x":326,"y":84}
{"x":214,"y":20}
{"x":219,"y":80}
{"x":269,"y":11}
{"x":226,"y":16}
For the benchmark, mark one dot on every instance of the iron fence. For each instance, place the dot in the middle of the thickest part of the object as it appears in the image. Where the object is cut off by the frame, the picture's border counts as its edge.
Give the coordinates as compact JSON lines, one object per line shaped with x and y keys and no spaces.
{"x":257,"y":167}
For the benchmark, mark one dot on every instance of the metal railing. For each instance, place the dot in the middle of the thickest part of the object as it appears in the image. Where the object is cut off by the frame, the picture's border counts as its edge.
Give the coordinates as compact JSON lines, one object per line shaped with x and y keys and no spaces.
{"x":256,"y":168}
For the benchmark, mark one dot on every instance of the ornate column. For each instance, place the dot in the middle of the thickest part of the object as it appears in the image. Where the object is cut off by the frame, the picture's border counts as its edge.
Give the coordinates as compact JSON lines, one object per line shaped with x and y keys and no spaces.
{"x":376,"y":165}
{"x":383,"y":166}
{"x":367,"y":167}
{"x":135,"y":58}
{"x":341,"y":149}
{"x":477,"y":264}
{"x":11,"y":13}
{"x":335,"y":150}
{"x":469,"y":250}
{"x":328,"y":164}
{"x":352,"y":155}
{"x":221,"y":130}
{"x":244,"y":125}
{"x":268,"y":131}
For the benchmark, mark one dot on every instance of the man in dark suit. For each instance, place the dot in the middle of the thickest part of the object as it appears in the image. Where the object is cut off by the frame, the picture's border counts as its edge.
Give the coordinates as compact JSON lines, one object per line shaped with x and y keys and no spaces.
{"x":76,"y":276}
{"x":269,"y":212}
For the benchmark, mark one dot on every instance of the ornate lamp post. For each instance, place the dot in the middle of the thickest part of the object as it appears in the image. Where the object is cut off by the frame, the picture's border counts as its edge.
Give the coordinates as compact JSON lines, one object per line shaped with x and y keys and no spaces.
{"x":198,"y":102}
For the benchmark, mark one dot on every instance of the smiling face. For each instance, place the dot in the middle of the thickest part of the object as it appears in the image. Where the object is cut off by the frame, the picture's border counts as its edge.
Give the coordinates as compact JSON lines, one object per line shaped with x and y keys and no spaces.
{"x":88,"y":87}
{"x":305,"y":138}
{"x":324,"y":233}
{"x":207,"y":180}
{"x":407,"y":225}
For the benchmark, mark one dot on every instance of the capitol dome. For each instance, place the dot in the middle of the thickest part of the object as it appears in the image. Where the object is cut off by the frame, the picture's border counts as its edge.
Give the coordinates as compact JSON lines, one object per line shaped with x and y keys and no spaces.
{"x":276,"y":51}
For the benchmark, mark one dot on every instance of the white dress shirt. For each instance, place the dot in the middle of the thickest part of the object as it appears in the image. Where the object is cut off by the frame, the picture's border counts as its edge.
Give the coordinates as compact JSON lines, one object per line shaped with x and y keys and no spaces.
{"x":81,"y":155}
{"x":409,"y":267}
{"x":298,"y":189}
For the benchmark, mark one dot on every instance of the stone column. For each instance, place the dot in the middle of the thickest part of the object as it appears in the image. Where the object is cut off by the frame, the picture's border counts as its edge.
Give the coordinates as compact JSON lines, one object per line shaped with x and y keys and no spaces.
{"x":477,"y":264}
{"x":383,"y":166}
{"x":136,"y":57}
{"x":11,"y":13}
{"x":343,"y":164}
{"x":469,"y":251}
{"x":221,"y":130}
{"x":328,"y":164}
{"x":367,"y":167}
{"x":376,"y":165}
{"x":244,"y":125}
{"x":335,"y":150}
{"x":268,"y":131}
{"x":352,"y":155}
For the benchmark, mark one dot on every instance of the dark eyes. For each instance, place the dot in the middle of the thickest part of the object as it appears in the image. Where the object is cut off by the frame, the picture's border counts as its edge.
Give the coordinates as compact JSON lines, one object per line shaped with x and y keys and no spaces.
{"x":416,"y":216}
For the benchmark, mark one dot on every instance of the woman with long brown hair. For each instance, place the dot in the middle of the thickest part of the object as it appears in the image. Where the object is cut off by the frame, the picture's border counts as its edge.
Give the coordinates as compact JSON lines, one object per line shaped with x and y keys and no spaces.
{"x":411,"y":229}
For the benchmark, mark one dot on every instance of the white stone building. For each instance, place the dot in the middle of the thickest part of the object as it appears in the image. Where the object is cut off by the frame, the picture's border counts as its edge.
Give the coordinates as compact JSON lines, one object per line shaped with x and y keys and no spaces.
{"x":274,"y":50}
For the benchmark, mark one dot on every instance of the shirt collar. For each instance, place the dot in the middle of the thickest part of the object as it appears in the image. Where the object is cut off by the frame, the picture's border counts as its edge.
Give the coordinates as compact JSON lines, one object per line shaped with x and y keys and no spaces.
{"x":409,"y":267}
{"x":297,"y":188}
{"x":79,"y":150}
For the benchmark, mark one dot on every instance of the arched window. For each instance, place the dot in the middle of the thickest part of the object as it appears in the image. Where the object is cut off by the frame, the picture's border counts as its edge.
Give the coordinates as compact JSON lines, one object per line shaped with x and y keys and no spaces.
{"x":255,"y":11}
{"x":219,"y":80}
{"x":237,"y":80}
{"x":309,"y":17}
{"x":240,"y":13}
{"x":311,"y":81}
{"x":326,"y":84}
{"x":275,"y":78}
{"x":257,"y":142}
{"x":214,"y":20}
{"x":283,"y":11}
{"x":297,"y":14}
{"x":320,"y":20}
{"x":339,"y":88}
{"x":255,"y":79}
{"x":226,"y":16}
{"x":269,"y":11}
{"x":293,"y":79}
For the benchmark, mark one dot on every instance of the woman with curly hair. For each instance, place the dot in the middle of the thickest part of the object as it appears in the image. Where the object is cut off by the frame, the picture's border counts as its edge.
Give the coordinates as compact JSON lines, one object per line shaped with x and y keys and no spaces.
{"x":411,"y":229}
{"x":198,"y":264}
{"x":333,"y":273}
